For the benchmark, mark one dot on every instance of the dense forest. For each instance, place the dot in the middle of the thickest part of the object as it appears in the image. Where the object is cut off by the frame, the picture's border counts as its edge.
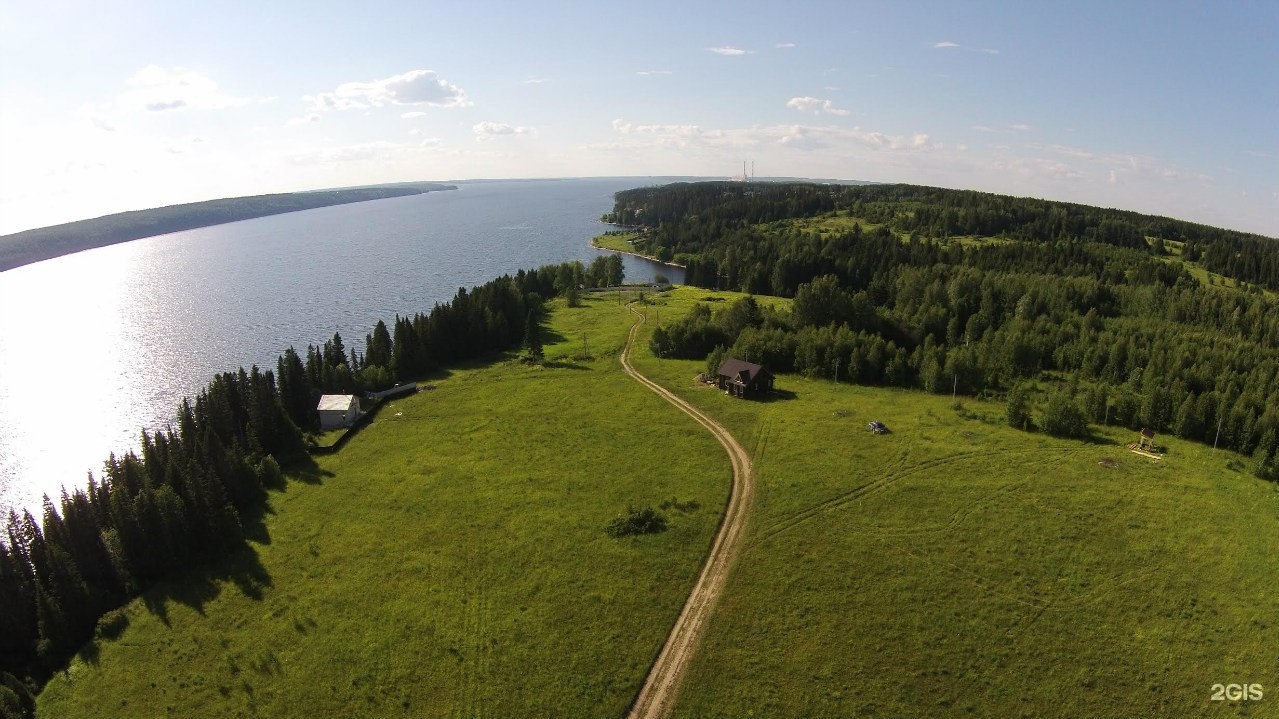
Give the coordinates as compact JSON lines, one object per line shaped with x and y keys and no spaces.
{"x":971,"y":293}
{"x":192,"y":491}
{"x":23,"y":248}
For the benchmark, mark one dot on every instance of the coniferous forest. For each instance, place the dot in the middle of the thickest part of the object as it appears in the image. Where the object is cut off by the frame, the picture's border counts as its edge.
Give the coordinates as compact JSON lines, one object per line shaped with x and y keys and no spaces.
{"x":1135,"y":320}
{"x":193,"y":492}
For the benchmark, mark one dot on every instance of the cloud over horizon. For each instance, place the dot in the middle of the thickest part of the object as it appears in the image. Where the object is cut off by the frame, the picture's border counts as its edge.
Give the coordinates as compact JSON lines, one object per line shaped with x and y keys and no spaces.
{"x":415,"y":87}
{"x":159,"y":89}
{"x":815,"y":105}
{"x":490,"y":130}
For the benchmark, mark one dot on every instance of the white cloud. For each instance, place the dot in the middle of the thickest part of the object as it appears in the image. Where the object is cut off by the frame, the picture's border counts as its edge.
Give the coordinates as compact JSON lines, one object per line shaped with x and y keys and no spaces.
{"x":653,"y":72}
{"x":411,"y":115}
{"x":729,"y":51}
{"x":490,"y":130}
{"x":948,"y":45}
{"x":815,"y":105}
{"x":1114,"y":179}
{"x":536,"y":80}
{"x":157,"y":89}
{"x":982,"y":128}
{"x":784,"y":45}
{"x":306,"y":119}
{"x":1071,"y":151}
{"x":416,"y":87}
{"x":1020,"y":127}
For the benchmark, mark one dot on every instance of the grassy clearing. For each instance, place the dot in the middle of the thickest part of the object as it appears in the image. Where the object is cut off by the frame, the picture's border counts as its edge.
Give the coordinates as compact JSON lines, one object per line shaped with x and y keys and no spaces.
{"x":837,"y":222}
{"x":959,"y":567}
{"x":450,"y":561}
{"x":621,"y":243}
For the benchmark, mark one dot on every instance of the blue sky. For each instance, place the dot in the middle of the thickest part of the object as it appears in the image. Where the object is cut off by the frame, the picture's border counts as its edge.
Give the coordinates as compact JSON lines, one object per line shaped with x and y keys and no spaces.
{"x":1169,"y":108}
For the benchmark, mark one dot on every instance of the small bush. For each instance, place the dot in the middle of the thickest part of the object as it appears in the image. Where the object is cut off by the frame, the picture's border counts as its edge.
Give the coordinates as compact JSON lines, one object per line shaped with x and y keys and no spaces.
{"x":637,"y":521}
{"x":112,"y":624}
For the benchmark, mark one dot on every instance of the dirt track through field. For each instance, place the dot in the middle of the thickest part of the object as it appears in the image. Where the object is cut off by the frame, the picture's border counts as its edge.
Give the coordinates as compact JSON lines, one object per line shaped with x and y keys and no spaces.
{"x":657,"y":697}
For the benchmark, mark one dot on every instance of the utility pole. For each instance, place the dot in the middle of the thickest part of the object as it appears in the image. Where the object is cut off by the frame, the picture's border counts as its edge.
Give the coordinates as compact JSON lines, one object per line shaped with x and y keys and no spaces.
{"x":1214,"y":439}
{"x":836,"y":371}
{"x":1106,"y":421}
{"x":586,"y":348}
{"x":955,"y":389}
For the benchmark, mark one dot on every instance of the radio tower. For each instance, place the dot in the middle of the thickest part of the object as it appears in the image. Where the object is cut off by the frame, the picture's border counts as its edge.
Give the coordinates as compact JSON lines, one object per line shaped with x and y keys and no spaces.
{"x":752,"y":170}
{"x":745,"y":177}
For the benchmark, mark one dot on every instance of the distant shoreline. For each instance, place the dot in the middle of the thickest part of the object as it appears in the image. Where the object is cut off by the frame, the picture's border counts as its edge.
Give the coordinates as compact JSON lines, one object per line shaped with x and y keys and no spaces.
{"x":46,"y":243}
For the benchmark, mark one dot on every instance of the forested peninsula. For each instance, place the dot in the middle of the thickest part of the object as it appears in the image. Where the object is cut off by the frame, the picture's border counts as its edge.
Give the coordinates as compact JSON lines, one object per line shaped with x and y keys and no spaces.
{"x":23,"y":248}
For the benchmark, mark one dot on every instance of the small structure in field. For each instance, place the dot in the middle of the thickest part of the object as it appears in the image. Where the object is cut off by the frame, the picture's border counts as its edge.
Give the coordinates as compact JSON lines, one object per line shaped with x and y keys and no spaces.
{"x":743,"y":379}
{"x":1145,"y":445}
{"x":878,"y":427}
{"x":338,"y":410}
{"x":1146,"y":440}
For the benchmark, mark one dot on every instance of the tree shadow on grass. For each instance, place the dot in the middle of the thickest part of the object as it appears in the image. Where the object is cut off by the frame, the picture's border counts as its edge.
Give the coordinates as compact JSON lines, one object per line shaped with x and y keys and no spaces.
{"x":777,"y":395}
{"x":90,"y":652}
{"x":551,"y":337}
{"x":563,"y":364}
{"x":305,"y":470}
{"x":200,"y":585}
{"x":253,"y":522}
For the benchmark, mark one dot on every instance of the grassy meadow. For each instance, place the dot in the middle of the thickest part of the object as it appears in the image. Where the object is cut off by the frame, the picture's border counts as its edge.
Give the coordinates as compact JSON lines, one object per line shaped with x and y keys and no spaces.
{"x":449,"y":561}
{"x":621,"y":243}
{"x":958,"y":567}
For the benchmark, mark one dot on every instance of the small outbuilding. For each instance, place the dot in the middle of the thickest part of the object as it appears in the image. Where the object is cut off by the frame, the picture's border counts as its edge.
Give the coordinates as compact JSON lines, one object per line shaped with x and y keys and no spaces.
{"x":338,"y":410}
{"x":1146,"y":441}
{"x":743,"y":379}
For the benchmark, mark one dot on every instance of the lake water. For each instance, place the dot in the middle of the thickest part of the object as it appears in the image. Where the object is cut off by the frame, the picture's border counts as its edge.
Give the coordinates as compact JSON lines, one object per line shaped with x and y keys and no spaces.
{"x":97,"y":345}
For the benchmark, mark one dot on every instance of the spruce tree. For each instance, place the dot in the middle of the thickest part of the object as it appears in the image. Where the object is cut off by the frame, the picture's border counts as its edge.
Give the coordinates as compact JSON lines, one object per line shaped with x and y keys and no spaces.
{"x":533,"y":337}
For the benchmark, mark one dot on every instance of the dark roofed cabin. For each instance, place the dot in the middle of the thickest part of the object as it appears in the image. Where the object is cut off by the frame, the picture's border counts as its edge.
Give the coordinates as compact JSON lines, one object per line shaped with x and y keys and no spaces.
{"x":743,"y":379}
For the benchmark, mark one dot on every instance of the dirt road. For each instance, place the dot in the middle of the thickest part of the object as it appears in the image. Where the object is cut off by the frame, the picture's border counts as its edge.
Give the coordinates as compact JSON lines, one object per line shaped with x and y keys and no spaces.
{"x":657,"y":696}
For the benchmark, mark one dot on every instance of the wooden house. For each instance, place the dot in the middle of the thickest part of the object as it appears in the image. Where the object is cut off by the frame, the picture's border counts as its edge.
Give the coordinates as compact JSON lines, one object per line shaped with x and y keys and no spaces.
{"x":743,"y":379}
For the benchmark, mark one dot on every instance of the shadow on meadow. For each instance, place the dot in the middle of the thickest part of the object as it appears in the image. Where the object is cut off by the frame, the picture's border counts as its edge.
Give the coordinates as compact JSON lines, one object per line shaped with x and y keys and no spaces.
{"x":777,"y":395}
{"x":197,"y":587}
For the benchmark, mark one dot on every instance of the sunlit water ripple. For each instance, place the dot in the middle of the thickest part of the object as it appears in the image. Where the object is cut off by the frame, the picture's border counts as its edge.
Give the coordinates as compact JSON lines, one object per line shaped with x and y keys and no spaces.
{"x":97,"y":345}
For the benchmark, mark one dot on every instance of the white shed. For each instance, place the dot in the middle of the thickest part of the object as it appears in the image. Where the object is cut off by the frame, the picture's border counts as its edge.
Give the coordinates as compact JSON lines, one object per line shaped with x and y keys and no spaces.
{"x":338,"y":410}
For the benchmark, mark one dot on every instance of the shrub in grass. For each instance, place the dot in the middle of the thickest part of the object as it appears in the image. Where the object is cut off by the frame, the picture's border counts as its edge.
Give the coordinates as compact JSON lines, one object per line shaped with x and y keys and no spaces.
{"x":1064,"y":418}
{"x":112,"y":624}
{"x":637,"y":521}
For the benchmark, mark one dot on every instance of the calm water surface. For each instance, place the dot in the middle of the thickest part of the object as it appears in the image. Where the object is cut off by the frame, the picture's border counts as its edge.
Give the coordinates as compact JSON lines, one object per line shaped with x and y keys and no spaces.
{"x":97,"y":345}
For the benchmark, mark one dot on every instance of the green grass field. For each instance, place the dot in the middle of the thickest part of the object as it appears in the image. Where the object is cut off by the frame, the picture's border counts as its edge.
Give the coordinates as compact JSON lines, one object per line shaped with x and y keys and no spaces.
{"x":831,"y":223}
{"x":957,"y":567}
{"x":450,"y":561}
{"x":620,"y":243}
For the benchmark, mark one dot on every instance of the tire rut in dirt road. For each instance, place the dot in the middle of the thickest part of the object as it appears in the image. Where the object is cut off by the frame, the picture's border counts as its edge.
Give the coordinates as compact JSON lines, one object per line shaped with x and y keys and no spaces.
{"x":657,"y":696}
